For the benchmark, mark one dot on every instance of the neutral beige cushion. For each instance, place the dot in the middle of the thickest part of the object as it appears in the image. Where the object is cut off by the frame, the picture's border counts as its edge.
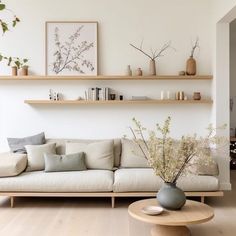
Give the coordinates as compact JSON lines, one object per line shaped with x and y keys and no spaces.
{"x":36,"y":155}
{"x":64,"y":182}
{"x":199,"y":166}
{"x":61,"y":146}
{"x":144,"y":180}
{"x":98,"y":155}
{"x":131,"y":155}
{"x":12,"y":164}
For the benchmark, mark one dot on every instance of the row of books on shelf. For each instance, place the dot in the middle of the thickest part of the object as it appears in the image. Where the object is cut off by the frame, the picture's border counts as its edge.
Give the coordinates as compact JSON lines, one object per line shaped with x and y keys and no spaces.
{"x":98,"y":94}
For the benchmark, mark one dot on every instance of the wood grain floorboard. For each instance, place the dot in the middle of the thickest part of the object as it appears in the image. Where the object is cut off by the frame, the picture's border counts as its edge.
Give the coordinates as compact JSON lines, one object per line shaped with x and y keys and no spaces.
{"x":95,"y":217}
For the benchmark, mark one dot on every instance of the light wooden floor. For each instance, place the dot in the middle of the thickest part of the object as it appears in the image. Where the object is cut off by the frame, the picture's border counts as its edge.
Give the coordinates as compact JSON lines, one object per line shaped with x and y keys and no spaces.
{"x":95,"y":217}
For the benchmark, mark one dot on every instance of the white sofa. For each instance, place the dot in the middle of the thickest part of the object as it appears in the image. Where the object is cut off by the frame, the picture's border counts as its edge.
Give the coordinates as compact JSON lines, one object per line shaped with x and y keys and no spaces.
{"x":119,"y":182}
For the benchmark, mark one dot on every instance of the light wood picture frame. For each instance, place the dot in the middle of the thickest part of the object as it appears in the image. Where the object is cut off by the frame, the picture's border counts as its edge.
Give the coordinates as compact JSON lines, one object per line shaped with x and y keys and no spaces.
{"x":71,"y":48}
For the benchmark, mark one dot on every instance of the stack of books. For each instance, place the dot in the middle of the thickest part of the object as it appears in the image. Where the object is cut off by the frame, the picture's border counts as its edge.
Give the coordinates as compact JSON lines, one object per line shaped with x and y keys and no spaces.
{"x":98,"y":94}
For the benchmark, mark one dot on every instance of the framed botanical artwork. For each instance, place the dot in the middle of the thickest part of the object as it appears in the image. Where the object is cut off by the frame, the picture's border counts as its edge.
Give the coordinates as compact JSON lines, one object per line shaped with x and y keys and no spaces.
{"x":71,"y":48}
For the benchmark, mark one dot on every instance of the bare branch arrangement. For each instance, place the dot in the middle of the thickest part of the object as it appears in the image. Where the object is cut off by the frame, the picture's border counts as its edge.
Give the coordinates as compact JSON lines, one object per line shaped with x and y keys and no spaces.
{"x":194,"y":47}
{"x":154,"y":53}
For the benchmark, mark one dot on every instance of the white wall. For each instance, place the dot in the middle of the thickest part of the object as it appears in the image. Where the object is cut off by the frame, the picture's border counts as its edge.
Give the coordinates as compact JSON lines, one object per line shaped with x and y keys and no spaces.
{"x":233,"y":72}
{"x":120,"y":22}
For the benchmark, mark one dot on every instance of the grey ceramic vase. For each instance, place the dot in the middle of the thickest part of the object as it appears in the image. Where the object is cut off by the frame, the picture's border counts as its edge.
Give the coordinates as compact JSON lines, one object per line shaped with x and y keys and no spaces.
{"x":171,"y":197}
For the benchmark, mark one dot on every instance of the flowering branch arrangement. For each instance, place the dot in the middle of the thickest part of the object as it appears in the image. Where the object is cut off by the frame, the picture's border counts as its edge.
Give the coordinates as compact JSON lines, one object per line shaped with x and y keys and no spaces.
{"x":170,"y":158}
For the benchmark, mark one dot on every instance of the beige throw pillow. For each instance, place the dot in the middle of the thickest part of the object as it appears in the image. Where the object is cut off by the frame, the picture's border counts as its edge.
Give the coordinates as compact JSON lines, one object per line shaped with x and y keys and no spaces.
{"x":36,"y":155}
{"x":98,"y":155}
{"x":131,"y":155}
{"x":12,"y":164}
{"x":201,"y":166}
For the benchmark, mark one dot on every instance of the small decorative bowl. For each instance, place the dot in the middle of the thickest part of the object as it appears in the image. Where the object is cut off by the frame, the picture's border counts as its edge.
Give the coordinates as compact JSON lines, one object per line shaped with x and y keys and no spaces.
{"x":152,"y":210}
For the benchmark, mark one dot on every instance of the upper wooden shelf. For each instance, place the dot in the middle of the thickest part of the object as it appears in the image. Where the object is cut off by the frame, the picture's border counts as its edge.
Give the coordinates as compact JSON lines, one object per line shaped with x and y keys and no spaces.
{"x":113,"y":102}
{"x":105,"y":77}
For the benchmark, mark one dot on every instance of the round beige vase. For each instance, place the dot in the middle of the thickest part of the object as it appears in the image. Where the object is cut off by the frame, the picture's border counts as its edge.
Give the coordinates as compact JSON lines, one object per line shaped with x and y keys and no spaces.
{"x":14,"y":71}
{"x":191,"y":66}
{"x":24,"y":70}
{"x":152,"y":67}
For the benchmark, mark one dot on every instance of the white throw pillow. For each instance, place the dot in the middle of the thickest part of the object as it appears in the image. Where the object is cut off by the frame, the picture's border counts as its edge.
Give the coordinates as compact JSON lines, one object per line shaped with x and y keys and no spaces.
{"x":132,"y":156}
{"x":36,"y":155}
{"x":98,"y":155}
{"x":12,"y":164}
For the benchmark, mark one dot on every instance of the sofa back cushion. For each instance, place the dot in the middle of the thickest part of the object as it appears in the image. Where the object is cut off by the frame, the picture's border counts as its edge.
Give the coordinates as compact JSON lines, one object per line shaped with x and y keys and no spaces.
{"x":98,"y":155}
{"x":36,"y":155}
{"x":17,"y":145}
{"x":61,"y":146}
{"x":132,"y":156}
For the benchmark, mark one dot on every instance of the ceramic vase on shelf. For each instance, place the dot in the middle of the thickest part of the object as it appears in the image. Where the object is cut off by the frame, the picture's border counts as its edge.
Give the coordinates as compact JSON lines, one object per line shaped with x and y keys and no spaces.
{"x":128,"y":71}
{"x":191,"y":66}
{"x":24,"y":70}
{"x":152,"y":67}
{"x":171,"y":197}
{"x":14,"y":71}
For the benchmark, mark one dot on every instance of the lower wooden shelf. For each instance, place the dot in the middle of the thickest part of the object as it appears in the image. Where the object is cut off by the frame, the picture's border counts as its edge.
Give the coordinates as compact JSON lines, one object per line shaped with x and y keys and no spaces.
{"x":85,"y":102}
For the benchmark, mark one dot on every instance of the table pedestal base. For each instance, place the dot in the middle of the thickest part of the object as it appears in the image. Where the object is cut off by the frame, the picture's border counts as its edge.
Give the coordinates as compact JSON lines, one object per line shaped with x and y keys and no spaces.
{"x":163,"y":230}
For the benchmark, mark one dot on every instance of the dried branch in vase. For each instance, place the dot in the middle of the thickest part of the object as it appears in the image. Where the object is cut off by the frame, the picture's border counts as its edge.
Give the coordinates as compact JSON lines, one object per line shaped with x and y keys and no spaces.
{"x":154,"y":54}
{"x":194,"y":47}
{"x":70,"y":55}
{"x":171,"y":158}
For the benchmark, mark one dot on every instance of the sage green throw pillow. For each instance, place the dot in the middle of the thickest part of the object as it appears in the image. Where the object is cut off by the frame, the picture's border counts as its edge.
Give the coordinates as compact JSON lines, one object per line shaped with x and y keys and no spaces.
{"x":71,"y":162}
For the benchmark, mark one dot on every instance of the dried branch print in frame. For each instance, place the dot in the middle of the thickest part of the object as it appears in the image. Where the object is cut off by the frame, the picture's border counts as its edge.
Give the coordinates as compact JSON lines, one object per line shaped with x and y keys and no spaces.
{"x":71,"y":48}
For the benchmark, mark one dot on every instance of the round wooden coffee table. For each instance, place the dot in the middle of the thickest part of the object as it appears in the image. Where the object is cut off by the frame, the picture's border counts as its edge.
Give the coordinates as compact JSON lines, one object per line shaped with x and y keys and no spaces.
{"x":172,"y":223}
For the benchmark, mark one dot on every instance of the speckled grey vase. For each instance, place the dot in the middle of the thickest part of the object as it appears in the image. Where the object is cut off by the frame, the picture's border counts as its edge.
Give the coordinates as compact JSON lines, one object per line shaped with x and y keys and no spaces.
{"x":171,"y":197}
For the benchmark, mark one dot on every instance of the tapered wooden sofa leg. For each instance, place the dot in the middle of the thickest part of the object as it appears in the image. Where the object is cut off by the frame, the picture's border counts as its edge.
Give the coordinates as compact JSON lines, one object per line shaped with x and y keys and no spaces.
{"x":113,"y":202}
{"x":12,"y":201}
{"x":202,"y":199}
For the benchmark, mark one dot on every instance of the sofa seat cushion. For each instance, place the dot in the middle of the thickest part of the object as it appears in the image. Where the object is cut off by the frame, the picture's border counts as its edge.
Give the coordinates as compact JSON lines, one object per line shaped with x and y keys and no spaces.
{"x":74,"y":181}
{"x":144,"y":180}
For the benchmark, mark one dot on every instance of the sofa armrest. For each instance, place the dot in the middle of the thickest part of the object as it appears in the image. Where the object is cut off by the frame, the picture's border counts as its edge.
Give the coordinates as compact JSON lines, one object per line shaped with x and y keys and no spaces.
{"x":12,"y":164}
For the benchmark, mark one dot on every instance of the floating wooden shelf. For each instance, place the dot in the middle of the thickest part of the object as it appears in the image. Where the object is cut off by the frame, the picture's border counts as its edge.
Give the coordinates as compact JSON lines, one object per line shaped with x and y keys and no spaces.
{"x":105,"y":77}
{"x":113,"y":102}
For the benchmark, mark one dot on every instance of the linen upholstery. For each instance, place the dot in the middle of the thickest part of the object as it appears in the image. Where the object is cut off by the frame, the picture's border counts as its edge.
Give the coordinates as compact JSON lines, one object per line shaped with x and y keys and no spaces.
{"x":98,"y":155}
{"x":70,"y":162}
{"x":144,"y":179}
{"x":131,"y":155}
{"x":12,"y":164}
{"x":17,"y":145}
{"x":36,"y":155}
{"x":62,"y":182}
{"x":201,"y":167}
{"x":61,"y":146}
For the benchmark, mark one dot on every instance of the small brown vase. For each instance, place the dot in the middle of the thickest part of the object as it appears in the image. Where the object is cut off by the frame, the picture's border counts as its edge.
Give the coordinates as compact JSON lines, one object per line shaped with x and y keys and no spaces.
{"x":152,"y":67}
{"x":24,"y":70}
{"x":191,"y":67}
{"x":196,"y":96}
{"x":14,"y":71}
